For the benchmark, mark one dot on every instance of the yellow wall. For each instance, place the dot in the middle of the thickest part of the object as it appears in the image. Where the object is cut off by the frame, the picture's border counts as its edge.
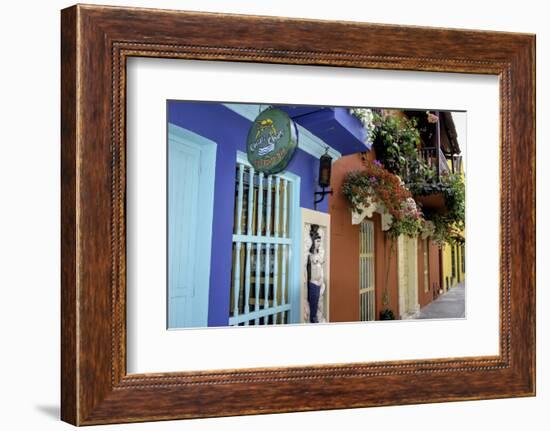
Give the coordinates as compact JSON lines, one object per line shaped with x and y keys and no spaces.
{"x":450,"y":280}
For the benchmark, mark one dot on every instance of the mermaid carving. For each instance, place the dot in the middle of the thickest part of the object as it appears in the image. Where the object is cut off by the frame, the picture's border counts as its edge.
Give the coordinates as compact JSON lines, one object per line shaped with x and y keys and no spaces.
{"x":315,"y":275}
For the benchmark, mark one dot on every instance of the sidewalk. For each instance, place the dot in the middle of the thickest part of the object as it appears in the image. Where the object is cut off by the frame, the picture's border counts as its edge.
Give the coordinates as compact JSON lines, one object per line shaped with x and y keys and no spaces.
{"x":451,"y":304}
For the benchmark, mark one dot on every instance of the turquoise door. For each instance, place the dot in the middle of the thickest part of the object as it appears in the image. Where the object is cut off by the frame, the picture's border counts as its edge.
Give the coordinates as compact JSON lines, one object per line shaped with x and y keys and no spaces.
{"x":191,"y":163}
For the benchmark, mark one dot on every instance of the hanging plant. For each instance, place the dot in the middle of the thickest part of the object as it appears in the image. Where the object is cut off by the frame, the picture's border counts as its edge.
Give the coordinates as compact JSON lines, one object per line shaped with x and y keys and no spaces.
{"x":396,"y":141}
{"x":441,"y":198}
{"x":375,"y":184}
{"x":448,"y":227}
{"x":399,"y":174}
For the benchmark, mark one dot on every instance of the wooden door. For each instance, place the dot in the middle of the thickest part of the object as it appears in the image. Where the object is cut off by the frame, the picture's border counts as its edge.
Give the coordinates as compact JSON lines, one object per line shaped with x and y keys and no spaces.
{"x":408,"y":276}
{"x":191,"y":162}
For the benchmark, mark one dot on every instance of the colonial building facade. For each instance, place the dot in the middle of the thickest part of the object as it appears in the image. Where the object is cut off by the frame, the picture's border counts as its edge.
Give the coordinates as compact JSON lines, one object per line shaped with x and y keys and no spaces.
{"x":250,"y":248}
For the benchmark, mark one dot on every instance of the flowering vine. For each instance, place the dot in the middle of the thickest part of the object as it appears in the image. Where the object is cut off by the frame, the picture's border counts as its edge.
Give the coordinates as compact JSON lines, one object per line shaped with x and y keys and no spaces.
{"x":365,"y":116}
{"x":375,"y":184}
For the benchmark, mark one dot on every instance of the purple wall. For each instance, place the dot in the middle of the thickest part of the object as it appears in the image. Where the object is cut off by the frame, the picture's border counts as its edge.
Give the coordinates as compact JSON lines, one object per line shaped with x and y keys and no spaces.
{"x":336,"y":126}
{"x":229,"y":130}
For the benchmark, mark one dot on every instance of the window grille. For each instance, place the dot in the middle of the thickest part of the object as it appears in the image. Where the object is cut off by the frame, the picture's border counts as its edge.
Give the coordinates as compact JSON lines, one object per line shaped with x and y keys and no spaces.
{"x":262,"y":248}
{"x":366,"y":271}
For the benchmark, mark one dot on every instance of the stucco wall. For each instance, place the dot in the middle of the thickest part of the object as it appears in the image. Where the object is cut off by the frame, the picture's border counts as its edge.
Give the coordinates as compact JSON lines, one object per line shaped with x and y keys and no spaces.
{"x":423,"y":296}
{"x":344,"y":268}
{"x":344,"y":247}
{"x":434,"y":273}
{"x":387,"y":287}
{"x":229,"y":130}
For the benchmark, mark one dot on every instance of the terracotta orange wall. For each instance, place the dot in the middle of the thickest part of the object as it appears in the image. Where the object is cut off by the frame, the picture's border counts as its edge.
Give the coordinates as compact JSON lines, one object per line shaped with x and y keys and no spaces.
{"x":386,"y":276}
{"x":344,"y":247}
{"x":385,"y":270}
{"x":344,"y":261}
{"x":434,"y":273}
{"x":435,"y":267}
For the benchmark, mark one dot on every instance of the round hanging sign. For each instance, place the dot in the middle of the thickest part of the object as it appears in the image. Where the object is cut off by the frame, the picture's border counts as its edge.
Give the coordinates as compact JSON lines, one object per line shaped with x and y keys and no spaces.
{"x":272,"y":140}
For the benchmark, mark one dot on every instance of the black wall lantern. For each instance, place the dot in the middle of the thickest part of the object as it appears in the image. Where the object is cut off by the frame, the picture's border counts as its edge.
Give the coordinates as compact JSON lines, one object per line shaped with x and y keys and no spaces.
{"x":325,"y":166}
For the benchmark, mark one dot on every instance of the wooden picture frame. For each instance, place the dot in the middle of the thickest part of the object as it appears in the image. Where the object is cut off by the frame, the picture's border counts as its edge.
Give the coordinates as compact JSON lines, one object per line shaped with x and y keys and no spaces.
{"x":95,"y":43}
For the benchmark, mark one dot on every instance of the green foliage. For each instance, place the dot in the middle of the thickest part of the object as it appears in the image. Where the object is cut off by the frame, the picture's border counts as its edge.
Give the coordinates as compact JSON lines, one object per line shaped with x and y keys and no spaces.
{"x":407,"y":226}
{"x":397,"y":142}
{"x":448,"y":226}
{"x":365,"y":116}
{"x":377,"y":185}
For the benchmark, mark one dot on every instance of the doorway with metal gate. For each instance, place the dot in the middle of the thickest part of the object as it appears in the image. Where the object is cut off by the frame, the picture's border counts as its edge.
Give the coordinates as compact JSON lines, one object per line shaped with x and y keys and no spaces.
{"x":367,"y":304}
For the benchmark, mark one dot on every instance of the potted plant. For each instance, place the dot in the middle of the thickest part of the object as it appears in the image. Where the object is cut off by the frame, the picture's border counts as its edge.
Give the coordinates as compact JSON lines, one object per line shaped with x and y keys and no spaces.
{"x":403,"y":187}
{"x":397,"y":141}
{"x":375,"y":184}
{"x":433,"y":202}
{"x":387,"y":314}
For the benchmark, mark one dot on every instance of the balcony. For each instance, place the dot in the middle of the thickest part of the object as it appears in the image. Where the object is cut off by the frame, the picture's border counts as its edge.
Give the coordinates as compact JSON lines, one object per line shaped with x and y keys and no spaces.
{"x":443,"y":164}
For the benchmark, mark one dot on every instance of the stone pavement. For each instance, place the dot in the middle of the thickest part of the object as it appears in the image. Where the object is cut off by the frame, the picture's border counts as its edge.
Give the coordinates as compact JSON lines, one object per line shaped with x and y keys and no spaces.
{"x":452,"y":304}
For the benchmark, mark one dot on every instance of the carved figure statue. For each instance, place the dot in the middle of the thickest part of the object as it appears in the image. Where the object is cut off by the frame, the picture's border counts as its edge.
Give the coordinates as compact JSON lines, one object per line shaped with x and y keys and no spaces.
{"x":315,"y":274}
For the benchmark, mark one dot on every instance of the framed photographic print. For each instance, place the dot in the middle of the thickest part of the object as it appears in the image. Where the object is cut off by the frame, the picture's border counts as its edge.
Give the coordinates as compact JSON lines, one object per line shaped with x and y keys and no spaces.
{"x":285,"y":212}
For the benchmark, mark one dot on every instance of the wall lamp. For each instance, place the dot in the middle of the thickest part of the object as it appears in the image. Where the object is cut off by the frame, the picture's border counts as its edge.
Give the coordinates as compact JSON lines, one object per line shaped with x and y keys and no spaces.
{"x":325,"y":166}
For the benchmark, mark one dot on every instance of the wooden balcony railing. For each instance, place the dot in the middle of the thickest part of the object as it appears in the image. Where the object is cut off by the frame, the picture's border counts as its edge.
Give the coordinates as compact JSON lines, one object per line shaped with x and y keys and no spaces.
{"x":441,"y":164}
